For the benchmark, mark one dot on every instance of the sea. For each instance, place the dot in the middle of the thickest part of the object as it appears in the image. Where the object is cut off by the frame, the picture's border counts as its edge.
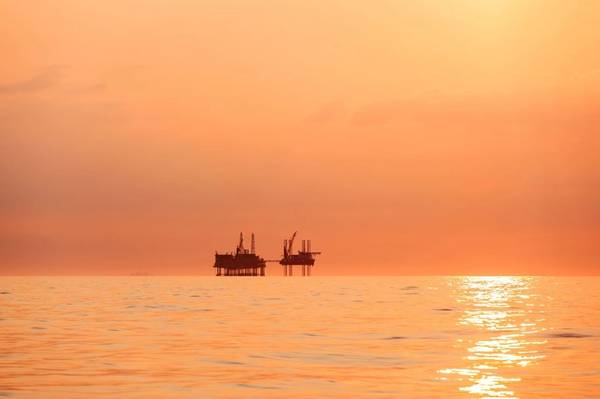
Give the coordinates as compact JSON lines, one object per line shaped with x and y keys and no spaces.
{"x":299,"y":337}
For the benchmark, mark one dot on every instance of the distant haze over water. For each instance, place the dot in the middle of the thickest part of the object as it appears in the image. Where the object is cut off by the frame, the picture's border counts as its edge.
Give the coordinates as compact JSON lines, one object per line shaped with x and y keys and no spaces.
{"x":403,"y":137}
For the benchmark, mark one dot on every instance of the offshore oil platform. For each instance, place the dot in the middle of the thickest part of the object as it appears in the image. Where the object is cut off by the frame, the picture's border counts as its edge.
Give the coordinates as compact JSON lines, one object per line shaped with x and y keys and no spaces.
{"x":304,"y":258}
{"x":241,"y":263}
{"x":244,"y":262}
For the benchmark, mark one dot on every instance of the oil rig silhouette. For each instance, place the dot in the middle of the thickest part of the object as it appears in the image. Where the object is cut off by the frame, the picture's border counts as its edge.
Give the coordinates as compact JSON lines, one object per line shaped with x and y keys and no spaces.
{"x":304,"y":258}
{"x":241,"y":263}
{"x":244,"y":262}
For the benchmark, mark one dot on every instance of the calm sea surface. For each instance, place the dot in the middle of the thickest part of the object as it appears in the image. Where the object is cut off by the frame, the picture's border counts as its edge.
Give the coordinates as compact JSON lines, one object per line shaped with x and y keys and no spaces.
{"x":317,"y":337}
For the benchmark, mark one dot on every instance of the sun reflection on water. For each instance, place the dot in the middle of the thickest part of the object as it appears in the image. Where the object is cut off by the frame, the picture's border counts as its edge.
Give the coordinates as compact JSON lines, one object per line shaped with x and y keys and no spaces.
{"x":505,"y":317}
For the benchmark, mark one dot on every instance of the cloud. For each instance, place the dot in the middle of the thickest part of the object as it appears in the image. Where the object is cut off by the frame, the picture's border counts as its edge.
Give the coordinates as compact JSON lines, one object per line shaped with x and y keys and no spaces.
{"x":43,"y":80}
{"x":327,"y":113}
{"x":541,"y":109}
{"x":92,"y":88}
{"x":378,"y":113}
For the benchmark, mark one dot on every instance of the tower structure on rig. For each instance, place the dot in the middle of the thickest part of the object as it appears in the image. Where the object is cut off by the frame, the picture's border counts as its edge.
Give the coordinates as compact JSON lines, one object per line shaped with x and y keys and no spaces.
{"x":304,"y":258}
{"x":242,"y":262}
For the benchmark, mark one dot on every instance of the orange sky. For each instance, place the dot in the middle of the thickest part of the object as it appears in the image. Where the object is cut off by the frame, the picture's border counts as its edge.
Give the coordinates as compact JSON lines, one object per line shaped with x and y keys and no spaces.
{"x":403,"y":137}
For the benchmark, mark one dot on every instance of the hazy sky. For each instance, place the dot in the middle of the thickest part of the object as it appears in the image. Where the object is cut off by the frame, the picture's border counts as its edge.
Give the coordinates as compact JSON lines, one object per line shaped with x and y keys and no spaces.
{"x":416,"y":137}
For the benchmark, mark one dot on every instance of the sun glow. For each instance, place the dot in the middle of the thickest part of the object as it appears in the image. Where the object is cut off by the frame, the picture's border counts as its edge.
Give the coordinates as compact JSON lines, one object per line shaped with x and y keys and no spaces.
{"x":500,"y":307}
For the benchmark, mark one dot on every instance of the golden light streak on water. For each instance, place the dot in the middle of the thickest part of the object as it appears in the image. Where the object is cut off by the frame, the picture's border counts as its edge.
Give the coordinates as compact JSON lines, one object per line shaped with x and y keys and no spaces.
{"x":502,"y":307}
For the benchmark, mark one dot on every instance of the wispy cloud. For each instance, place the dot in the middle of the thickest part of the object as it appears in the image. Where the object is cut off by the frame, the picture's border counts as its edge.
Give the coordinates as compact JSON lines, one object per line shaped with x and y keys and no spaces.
{"x":92,"y":88}
{"x":43,"y":80}
{"x":541,"y":108}
{"x":328,"y":113}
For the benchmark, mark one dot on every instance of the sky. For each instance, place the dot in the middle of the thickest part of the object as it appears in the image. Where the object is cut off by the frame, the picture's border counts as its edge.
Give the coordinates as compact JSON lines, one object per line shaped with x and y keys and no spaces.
{"x":402,"y":137}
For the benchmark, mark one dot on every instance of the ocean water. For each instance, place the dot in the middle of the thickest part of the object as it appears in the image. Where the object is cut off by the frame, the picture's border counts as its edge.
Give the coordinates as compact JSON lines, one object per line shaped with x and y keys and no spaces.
{"x":300,"y":337}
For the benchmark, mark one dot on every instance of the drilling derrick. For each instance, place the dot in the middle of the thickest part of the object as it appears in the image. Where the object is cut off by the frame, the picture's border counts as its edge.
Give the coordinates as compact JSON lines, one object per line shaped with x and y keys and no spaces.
{"x":242,"y":262}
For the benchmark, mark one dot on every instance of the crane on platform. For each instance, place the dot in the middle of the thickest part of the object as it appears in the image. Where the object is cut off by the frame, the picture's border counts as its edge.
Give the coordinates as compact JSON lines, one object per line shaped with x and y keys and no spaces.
{"x":304,"y":257}
{"x":288,"y":250}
